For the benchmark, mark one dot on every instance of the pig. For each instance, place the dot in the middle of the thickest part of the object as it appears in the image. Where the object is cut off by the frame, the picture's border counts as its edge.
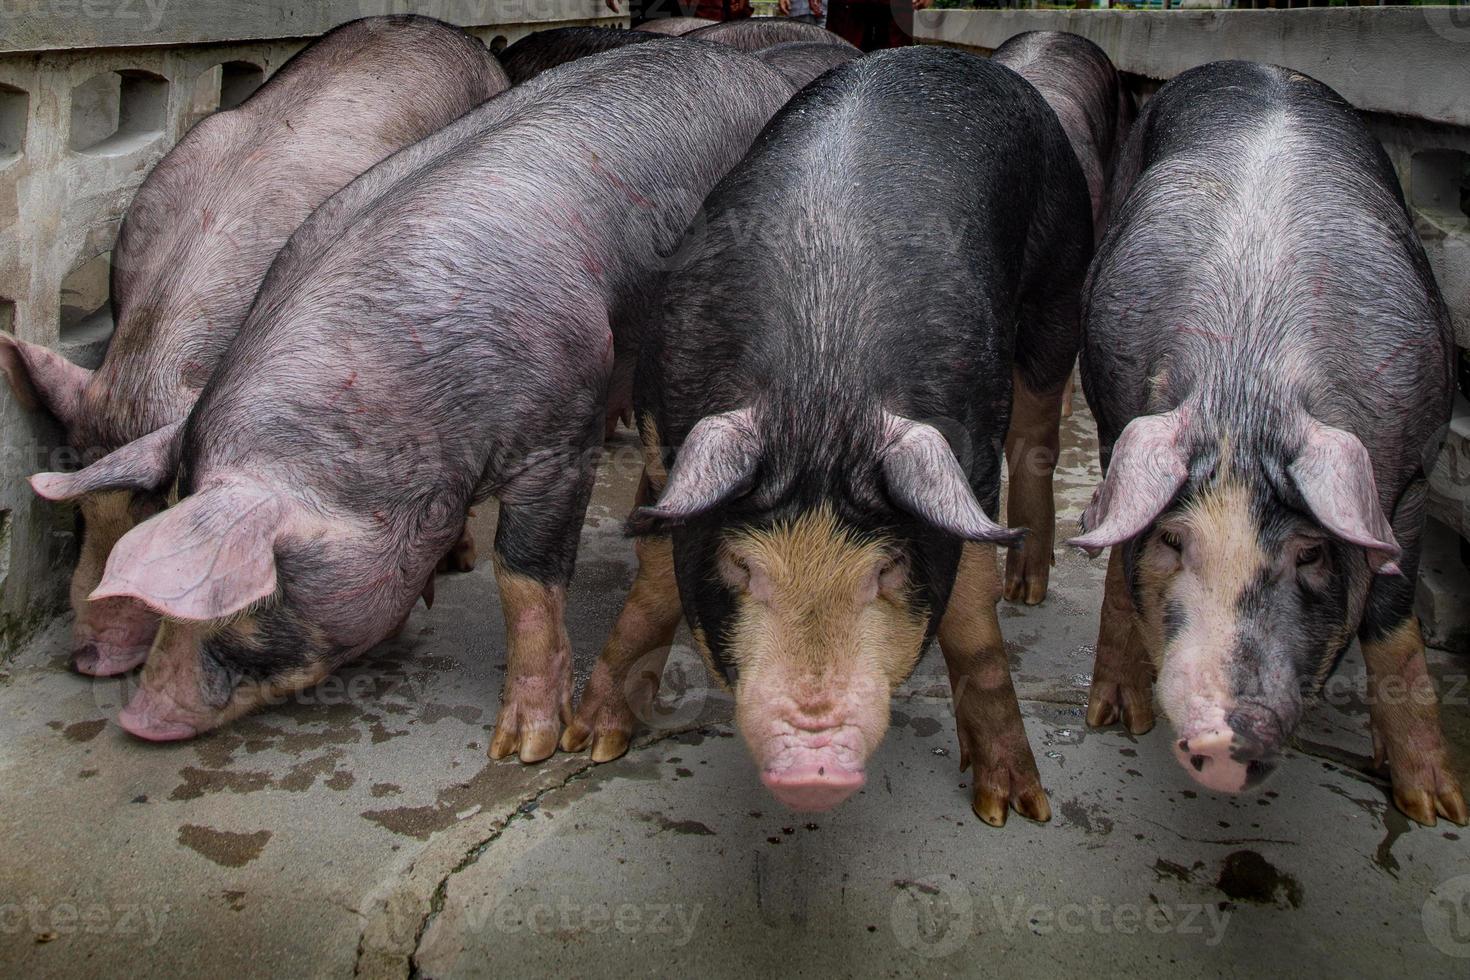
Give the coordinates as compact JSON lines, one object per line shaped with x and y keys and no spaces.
{"x":193,"y":248}
{"x":1079,"y":82}
{"x":1268,"y":358}
{"x":839,"y":430}
{"x":674,"y":25}
{"x":440,"y":331}
{"x":537,"y":52}
{"x":802,"y":61}
{"x":754,"y":34}
{"x":1081,"y":85}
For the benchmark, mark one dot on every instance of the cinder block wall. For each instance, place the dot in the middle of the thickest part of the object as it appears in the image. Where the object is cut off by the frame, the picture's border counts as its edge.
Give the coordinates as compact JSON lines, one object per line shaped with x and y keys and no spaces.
{"x":92,"y":94}
{"x":1406,"y":68}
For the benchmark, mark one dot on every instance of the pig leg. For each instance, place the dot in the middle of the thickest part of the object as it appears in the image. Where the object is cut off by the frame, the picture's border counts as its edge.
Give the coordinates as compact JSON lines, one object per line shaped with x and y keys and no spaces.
{"x":986,"y":712}
{"x":461,"y":557}
{"x":1403,"y":707}
{"x":1032,"y":443}
{"x":625,"y":681}
{"x":1404,"y":712}
{"x":1122,"y":677}
{"x":535,"y":549}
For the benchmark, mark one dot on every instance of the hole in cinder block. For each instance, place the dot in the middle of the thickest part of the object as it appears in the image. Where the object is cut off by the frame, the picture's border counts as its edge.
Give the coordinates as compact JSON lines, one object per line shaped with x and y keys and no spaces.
{"x":238,"y":81}
{"x":15,"y":105}
{"x":498,"y":43}
{"x":1439,"y":182}
{"x":118,"y":112}
{"x":86,"y":310}
{"x":223,"y":86}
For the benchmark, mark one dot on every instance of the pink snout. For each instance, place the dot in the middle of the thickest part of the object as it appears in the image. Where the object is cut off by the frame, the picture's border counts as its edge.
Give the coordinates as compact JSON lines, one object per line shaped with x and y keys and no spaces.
{"x":1221,"y":760}
{"x":813,"y":787}
{"x":814,"y":770}
{"x":106,"y":660}
{"x":155,"y":717}
{"x":113,"y":636}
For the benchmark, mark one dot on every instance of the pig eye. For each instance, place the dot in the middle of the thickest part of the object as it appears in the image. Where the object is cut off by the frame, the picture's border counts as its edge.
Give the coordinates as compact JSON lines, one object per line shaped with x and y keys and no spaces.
{"x":1309,"y":556}
{"x":1171,"y":539}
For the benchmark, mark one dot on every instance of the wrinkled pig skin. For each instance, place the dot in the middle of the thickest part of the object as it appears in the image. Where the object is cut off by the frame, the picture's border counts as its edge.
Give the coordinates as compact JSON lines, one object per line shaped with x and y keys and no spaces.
{"x":468,"y":291}
{"x":1268,"y":358}
{"x":194,"y":245}
{"x":839,"y":430}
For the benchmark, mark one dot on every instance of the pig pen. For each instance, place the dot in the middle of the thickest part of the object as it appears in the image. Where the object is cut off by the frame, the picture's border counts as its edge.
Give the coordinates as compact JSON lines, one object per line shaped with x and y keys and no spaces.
{"x":359,"y":828}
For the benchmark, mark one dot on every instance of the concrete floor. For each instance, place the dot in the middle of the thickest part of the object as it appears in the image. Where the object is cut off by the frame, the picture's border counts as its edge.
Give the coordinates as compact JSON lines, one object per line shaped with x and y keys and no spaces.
{"x":360,"y":828}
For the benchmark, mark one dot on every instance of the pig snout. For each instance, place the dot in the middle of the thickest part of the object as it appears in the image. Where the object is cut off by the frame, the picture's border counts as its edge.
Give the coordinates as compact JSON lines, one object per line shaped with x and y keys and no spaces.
{"x":1235,"y":751}
{"x":112,"y":637}
{"x":170,"y":702}
{"x":156,"y":717}
{"x":813,"y":770}
{"x":812,"y":752}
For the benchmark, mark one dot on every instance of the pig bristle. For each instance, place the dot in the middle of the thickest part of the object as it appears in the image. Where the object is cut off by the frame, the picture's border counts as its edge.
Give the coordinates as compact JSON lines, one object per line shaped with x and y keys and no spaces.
{"x":817,"y":569}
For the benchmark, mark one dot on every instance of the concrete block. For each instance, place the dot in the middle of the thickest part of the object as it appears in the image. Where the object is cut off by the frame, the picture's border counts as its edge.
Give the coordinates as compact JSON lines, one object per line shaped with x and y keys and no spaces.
{"x":1443,"y":598}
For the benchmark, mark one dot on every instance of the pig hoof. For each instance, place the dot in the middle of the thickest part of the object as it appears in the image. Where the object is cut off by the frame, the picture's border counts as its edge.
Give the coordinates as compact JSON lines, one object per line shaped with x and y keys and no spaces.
{"x":1108,"y":702}
{"x":1000,"y":790}
{"x":1000,"y":786}
{"x":606,"y":743}
{"x":1422,"y":805}
{"x":1025,"y":581}
{"x":524,"y":731}
{"x":606,"y":718}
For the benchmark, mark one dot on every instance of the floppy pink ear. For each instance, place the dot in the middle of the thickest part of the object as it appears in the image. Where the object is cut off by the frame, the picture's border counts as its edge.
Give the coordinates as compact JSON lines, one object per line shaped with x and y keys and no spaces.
{"x":1147,"y":468}
{"x":927,"y":481}
{"x":714,"y":465}
{"x":1334,"y":474}
{"x":207,"y":558}
{"x":143,"y":464}
{"x":40,"y":377}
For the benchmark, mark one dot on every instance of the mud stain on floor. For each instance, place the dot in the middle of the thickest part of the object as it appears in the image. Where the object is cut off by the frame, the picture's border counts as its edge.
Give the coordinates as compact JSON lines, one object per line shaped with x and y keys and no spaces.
{"x":84,"y":731}
{"x":1247,"y":877}
{"x":224,"y":847}
{"x":197,"y":782}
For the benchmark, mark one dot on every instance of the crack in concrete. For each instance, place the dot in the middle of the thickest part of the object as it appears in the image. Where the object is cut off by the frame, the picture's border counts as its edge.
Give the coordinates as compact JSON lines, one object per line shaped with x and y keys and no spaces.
{"x":499,"y":823}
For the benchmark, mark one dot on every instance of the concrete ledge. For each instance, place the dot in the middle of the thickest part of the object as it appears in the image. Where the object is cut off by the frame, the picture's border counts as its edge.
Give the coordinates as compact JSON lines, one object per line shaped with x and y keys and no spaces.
{"x":1413,"y":61}
{"x":51,"y":25}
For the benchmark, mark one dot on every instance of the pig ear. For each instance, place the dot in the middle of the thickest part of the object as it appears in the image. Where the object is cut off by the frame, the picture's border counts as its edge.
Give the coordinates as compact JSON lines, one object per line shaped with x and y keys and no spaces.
{"x":143,"y":464}
{"x":715,"y":464}
{"x":209,"y":557}
{"x":925,"y":479}
{"x":1334,"y":475}
{"x":1147,"y":468}
{"x":42,"y":378}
